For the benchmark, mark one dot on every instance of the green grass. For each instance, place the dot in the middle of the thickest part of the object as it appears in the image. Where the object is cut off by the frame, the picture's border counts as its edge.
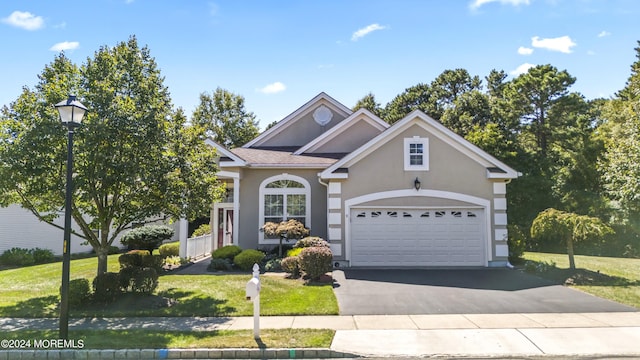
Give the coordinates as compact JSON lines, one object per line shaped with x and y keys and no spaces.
{"x":616,"y":279}
{"x":33,"y":292}
{"x":148,"y":339}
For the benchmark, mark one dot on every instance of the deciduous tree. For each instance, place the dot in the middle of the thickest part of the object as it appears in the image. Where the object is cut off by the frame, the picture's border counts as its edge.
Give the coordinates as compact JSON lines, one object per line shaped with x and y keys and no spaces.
{"x":224,"y":116}
{"x":135,"y":160}
{"x":568,"y":227}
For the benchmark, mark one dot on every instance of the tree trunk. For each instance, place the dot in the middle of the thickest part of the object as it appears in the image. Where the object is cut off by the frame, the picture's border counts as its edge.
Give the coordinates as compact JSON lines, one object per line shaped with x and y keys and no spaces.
{"x":572,"y":262}
{"x":102,"y":253}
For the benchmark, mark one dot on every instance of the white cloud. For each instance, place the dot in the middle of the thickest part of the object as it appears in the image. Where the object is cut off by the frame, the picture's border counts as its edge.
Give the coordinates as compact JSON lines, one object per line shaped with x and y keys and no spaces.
{"x":366,"y":30}
{"x":24,"y":20}
{"x":477,"y":3}
{"x":521,"y":69}
{"x":276,"y":87}
{"x":525,"y":50}
{"x":562,"y":44}
{"x":213,"y":9}
{"x":65,"y":45}
{"x":603,"y":33}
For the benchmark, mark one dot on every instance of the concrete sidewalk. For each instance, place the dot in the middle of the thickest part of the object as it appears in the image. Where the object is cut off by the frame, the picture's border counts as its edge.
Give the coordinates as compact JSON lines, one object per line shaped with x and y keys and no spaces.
{"x":466,"y":335}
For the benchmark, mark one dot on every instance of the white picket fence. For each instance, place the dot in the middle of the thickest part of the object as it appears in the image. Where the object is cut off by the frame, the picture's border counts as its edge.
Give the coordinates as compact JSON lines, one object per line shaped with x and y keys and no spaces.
{"x":199,"y":246}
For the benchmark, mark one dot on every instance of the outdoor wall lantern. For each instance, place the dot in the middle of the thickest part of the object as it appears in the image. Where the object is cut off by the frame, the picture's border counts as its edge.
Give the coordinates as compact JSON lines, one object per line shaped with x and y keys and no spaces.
{"x":416,"y":184}
{"x":71,"y":113}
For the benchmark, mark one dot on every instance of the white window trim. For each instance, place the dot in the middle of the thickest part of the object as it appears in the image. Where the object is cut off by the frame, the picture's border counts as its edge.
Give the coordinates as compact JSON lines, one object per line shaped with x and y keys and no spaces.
{"x":286,"y":191}
{"x":407,"y":156}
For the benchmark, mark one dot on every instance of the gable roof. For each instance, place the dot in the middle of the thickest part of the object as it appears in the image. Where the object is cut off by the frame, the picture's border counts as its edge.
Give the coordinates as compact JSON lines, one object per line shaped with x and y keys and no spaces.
{"x":227,"y":158}
{"x":495,"y":168}
{"x":291,"y":118}
{"x":342,"y":127}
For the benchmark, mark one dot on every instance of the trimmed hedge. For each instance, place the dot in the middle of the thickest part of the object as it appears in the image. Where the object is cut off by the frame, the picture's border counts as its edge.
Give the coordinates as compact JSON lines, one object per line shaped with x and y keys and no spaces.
{"x":141,"y":258}
{"x":170,"y":249}
{"x":226,"y":252}
{"x":311,"y":241}
{"x":79,"y":292}
{"x":148,"y":237}
{"x":315,"y":261}
{"x":247,"y":258}
{"x":106,"y":287}
{"x":26,"y":257}
{"x":203,"y":229}
{"x":220,"y":264}
{"x":291,"y":265}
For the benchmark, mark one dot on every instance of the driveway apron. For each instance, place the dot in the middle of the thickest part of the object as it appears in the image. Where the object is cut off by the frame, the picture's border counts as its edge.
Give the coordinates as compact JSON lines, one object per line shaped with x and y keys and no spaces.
{"x":458,"y":291}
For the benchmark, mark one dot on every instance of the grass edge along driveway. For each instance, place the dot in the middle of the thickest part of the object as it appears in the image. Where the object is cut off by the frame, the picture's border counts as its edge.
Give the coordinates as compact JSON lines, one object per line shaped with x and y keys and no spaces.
{"x":32,"y":292}
{"x":616,"y":279}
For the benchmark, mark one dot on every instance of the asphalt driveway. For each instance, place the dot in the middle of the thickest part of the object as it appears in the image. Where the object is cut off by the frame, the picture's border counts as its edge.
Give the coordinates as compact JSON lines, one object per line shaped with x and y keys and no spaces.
{"x":458,"y":291}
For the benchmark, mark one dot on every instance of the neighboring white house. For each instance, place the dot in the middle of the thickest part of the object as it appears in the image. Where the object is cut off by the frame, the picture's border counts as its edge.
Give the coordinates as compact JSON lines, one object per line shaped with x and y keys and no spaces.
{"x":20,"y":228}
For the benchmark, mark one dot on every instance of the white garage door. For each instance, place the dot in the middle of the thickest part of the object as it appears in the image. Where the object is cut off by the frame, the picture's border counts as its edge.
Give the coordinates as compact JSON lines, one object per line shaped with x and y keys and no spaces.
{"x":414,"y":237}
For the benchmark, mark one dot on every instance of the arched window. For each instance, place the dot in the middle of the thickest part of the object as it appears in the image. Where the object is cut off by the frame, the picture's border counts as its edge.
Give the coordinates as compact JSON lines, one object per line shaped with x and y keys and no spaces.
{"x":285,"y":197}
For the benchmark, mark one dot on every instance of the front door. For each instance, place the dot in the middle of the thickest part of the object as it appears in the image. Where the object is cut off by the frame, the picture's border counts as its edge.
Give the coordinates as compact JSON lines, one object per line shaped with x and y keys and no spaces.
{"x":225,"y":226}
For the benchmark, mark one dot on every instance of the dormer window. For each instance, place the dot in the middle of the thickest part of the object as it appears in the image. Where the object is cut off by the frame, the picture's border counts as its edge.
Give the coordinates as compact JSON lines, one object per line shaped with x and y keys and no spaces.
{"x":416,"y":154}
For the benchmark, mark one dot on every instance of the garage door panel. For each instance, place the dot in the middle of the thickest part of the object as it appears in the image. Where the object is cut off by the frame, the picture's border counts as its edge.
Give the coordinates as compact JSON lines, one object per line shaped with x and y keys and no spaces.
{"x":417,"y":237}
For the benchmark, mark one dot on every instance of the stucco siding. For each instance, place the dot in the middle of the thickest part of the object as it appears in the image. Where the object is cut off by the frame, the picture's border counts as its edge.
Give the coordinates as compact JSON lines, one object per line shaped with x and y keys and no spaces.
{"x":449,"y":170}
{"x":304,"y":129}
{"x":249,"y":222}
{"x":352,"y":138}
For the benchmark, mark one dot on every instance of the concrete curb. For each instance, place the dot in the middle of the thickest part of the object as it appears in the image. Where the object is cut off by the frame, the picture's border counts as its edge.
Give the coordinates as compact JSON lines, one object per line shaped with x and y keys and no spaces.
{"x":309,"y":353}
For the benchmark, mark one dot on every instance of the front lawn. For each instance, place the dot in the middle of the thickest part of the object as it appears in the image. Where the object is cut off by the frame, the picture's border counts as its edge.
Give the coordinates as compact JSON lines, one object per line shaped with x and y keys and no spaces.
{"x":616,"y":279}
{"x":33,"y":292}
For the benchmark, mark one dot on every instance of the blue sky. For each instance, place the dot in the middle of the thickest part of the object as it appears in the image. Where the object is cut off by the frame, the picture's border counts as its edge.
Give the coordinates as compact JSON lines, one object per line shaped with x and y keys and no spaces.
{"x":279,"y":54}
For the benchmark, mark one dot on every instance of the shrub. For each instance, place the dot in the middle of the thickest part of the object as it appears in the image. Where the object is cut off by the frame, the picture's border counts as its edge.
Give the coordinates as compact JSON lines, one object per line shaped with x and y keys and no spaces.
{"x":42,"y":256}
{"x":153,"y":261}
{"x":315,"y":261}
{"x":106,"y":287}
{"x":273,"y":265}
{"x":311,"y":241}
{"x":294,"y":252}
{"x":170,"y":249}
{"x":247,"y":258}
{"x":291,"y":265}
{"x":141,"y":280}
{"x":79,"y":292}
{"x":226,"y":252}
{"x":113,"y":250}
{"x":18,"y":257}
{"x":141,"y":258}
{"x":145,"y":280}
{"x":125,"y":278}
{"x":203,"y":229}
{"x":220,"y":264}
{"x":147,"y":237}
{"x":172,"y":261}
{"x":517,"y":242}
{"x":130,"y":260}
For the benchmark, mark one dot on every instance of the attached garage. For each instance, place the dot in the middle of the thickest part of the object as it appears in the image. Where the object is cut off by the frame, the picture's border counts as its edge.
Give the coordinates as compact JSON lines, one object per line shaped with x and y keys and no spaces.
{"x":397,"y":237}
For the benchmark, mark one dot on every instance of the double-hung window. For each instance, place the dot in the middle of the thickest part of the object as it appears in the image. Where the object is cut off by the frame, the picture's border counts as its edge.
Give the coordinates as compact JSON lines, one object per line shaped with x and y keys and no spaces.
{"x":416,"y":154}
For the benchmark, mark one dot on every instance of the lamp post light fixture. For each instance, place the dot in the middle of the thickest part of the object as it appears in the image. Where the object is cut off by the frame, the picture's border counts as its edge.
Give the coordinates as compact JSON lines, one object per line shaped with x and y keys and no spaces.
{"x":71,"y":112}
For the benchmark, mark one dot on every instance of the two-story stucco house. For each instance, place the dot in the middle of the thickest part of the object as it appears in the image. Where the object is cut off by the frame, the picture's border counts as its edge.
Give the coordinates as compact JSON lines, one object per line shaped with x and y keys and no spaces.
{"x":409,"y":194}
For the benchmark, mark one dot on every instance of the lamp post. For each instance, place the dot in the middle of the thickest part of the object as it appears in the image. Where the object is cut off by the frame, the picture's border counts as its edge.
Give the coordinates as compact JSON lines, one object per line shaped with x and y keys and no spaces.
{"x":71,"y":112}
